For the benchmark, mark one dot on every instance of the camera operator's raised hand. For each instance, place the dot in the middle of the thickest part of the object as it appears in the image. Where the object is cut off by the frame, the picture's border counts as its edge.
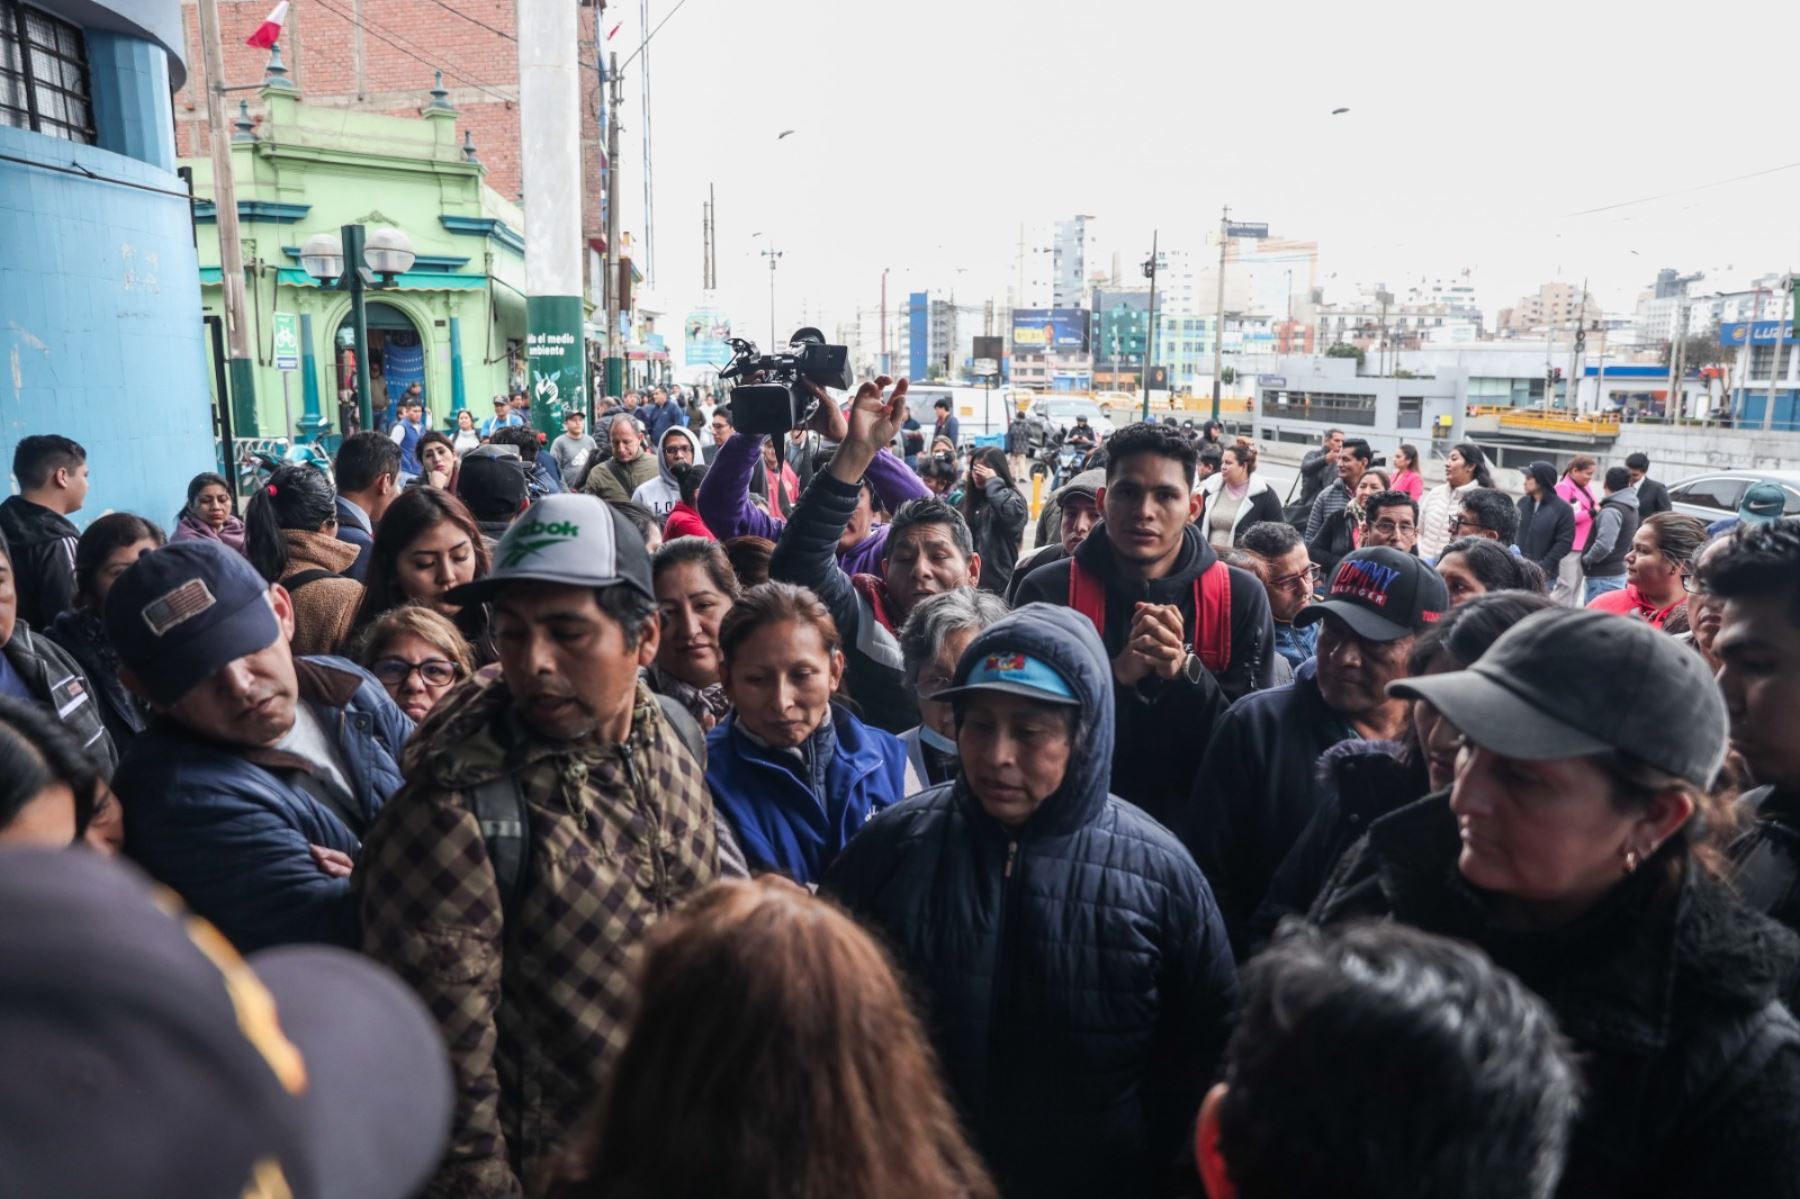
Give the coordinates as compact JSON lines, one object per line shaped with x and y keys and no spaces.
{"x":875,"y":417}
{"x":827,"y":419}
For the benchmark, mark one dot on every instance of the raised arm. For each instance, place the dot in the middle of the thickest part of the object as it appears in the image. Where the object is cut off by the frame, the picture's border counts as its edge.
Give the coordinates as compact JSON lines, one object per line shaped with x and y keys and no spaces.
{"x":724,"y":498}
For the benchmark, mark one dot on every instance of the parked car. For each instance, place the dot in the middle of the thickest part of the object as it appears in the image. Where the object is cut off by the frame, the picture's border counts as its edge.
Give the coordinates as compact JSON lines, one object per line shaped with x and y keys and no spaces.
{"x":1060,"y":414}
{"x":1717,"y":494}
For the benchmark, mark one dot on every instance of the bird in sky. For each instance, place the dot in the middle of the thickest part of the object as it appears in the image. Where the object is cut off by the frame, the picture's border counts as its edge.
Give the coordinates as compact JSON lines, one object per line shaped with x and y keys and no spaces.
{"x":1336,"y":111}
{"x":783,"y":133}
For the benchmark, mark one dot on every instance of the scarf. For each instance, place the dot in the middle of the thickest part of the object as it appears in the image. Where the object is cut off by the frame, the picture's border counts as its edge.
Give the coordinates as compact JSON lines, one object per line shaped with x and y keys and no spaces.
{"x":191,"y":528}
{"x":701,"y":702}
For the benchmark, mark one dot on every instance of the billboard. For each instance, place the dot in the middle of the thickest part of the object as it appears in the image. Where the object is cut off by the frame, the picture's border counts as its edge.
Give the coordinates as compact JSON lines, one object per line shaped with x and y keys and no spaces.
{"x":1049,"y":331}
{"x":708,"y":332}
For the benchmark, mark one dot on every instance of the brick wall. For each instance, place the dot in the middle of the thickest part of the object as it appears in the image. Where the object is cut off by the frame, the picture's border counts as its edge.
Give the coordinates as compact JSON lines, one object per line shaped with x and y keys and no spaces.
{"x":379,"y":56}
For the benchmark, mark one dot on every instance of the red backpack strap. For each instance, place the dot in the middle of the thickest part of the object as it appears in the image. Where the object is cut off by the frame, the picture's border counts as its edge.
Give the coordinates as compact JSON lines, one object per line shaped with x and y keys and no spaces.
{"x":1087,"y":596}
{"x":1212,"y":617}
{"x":873,"y":589}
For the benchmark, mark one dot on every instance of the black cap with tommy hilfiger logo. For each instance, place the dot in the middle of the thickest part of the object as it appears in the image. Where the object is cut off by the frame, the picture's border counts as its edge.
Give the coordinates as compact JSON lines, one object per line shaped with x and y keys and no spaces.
{"x":1382,"y":594}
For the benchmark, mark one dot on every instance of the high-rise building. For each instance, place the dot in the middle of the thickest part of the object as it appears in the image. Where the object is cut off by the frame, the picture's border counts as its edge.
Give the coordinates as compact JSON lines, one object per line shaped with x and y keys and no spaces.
{"x":1553,"y":307}
{"x":1068,"y":263}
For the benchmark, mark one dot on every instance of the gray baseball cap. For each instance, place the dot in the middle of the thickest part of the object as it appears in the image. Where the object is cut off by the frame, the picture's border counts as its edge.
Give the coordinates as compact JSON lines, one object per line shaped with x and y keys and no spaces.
{"x":1564,"y":683}
{"x":572,"y":538}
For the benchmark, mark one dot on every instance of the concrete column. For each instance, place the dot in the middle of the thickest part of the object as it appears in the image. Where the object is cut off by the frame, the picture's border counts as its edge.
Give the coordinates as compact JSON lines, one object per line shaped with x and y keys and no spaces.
{"x":313,"y":421}
{"x":129,"y":78}
{"x":459,"y":394}
{"x":550,"y":160}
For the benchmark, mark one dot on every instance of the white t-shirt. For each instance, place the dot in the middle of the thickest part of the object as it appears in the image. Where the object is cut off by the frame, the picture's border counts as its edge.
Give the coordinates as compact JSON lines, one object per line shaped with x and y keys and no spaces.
{"x":310,"y":740}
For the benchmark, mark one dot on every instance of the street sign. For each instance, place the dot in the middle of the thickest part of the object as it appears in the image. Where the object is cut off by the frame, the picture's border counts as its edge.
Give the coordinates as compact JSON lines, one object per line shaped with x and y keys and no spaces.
{"x":986,"y":366}
{"x":287,"y":341}
{"x":1246,"y":229}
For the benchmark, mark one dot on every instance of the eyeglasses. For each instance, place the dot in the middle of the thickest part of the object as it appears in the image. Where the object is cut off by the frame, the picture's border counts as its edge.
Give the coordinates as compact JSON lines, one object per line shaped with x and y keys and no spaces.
{"x":1391,"y":528}
{"x":1295,"y":582}
{"x":1457,"y":524}
{"x":1693,"y":584}
{"x":436,"y":672}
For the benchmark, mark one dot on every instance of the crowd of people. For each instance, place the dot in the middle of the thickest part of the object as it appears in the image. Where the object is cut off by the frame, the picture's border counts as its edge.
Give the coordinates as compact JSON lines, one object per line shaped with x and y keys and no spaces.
{"x":671,"y":810}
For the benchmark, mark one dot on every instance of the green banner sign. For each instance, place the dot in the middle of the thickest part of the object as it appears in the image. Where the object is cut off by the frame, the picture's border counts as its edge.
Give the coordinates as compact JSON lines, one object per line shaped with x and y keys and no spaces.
{"x":555,"y":359}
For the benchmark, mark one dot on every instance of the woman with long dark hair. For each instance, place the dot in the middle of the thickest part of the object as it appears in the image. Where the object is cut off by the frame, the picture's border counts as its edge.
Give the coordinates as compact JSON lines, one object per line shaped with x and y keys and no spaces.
{"x":1406,"y":472}
{"x":210,"y":513}
{"x":290,"y":536}
{"x":695,"y":588}
{"x":438,"y":461}
{"x":1472,"y":566}
{"x":107,"y":548}
{"x":1465,"y":468}
{"x":708,"y":1099}
{"x":996,"y":513}
{"x":428,"y":543}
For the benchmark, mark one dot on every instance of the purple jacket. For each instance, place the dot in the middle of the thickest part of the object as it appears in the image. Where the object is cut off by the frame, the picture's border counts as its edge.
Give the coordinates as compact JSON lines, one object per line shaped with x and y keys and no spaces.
{"x":724,"y":500}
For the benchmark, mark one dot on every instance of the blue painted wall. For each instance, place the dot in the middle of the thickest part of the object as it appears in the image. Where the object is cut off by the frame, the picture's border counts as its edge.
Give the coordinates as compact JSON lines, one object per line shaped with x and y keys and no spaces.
{"x":100,"y":333}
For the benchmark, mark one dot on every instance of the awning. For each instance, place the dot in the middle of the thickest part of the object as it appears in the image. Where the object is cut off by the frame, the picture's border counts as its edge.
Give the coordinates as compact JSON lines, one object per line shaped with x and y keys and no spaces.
{"x":212,"y":276}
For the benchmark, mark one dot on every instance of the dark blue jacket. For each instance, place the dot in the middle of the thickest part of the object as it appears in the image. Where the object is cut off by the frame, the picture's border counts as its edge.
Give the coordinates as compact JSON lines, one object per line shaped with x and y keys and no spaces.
{"x":228,"y":827}
{"x":353,"y":529}
{"x":660,"y":418}
{"x":792,"y":816}
{"x":1073,"y":972}
{"x":1256,"y":791}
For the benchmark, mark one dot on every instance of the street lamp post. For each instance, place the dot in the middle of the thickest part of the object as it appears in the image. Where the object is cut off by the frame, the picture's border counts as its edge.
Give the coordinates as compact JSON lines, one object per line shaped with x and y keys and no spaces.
{"x":356,"y":261}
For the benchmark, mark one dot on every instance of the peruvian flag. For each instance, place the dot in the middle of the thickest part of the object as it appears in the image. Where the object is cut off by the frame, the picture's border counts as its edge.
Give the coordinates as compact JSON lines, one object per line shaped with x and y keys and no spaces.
{"x":269,"y":32}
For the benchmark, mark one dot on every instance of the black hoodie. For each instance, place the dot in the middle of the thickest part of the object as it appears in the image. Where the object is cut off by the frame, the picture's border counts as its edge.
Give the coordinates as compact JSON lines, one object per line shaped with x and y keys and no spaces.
{"x":41,"y":544}
{"x":1162,"y":726}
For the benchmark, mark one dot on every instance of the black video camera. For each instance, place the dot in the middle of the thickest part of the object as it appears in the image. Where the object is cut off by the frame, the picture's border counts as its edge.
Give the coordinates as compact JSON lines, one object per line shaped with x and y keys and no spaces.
{"x":773,"y":401}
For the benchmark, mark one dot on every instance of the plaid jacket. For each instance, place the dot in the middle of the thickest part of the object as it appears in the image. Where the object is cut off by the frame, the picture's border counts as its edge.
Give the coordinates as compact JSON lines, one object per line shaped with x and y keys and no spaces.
{"x":620,"y":835}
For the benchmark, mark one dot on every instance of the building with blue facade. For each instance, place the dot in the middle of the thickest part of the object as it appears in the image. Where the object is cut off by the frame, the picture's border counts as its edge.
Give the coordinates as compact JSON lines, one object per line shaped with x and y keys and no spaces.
{"x":100,"y":325}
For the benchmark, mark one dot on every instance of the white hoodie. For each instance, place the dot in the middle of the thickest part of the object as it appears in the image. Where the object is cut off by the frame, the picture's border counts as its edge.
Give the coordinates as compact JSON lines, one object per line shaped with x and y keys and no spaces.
{"x":662,"y":493}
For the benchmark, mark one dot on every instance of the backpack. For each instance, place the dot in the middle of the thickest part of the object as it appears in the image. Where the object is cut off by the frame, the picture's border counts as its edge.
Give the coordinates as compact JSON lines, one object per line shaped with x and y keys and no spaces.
{"x":1212,"y":610}
{"x":295,"y":582}
{"x":499,"y":807}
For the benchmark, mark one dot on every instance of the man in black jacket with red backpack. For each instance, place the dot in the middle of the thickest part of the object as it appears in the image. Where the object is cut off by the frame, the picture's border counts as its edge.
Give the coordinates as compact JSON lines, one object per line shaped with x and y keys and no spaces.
{"x":1187,"y":634}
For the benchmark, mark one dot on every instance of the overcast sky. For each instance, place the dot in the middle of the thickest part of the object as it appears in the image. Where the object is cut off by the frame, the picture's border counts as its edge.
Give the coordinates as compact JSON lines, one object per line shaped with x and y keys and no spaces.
{"x":925,"y":133}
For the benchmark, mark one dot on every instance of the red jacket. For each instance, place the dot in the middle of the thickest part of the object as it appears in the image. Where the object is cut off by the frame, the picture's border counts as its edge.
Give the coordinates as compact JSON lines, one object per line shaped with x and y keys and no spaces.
{"x":683,"y":521}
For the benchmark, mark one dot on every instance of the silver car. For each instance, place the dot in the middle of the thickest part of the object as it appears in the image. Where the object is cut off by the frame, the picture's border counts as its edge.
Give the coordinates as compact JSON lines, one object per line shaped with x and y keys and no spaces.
{"x":1718,"y":494}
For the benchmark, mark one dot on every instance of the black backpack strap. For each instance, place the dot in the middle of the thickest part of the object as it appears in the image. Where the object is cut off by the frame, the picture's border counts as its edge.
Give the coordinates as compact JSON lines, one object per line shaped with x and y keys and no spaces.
{"x":686,"y":728}
{"x":499,"y":807}
{"x":295,"y":582}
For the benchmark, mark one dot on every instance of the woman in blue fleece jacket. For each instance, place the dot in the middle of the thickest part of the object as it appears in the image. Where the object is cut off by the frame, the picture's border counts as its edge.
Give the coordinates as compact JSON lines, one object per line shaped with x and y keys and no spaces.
{"x":795,"y":774}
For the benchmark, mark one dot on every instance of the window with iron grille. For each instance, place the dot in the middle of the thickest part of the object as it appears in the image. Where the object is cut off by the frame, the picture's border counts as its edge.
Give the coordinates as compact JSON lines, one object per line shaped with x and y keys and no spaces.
{"x":43,"y":74}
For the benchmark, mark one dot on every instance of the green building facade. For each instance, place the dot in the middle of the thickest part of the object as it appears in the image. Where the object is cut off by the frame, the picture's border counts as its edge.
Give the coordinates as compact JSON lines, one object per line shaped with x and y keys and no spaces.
{"x":455,"y":322}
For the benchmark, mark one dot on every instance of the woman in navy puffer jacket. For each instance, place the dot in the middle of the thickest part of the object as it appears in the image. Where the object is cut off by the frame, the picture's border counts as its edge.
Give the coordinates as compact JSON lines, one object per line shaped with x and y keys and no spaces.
{"x":1073,"y":968}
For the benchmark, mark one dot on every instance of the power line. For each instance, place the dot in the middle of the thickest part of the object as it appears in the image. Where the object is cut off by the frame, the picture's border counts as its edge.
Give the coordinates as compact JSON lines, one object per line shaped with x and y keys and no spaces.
{"x":651,"y":34}
{"x":1682,"y":191}
{"x":379,"y":35}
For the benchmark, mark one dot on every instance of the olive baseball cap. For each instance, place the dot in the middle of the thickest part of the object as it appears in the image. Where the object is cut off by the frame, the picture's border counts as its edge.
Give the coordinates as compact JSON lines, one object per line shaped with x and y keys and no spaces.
{"x":1564,"y":683}
{"x":575,"y":539}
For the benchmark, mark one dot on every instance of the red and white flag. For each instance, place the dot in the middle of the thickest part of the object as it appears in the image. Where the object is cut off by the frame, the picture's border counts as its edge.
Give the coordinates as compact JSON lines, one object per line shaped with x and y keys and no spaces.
{"x":269,"y":32}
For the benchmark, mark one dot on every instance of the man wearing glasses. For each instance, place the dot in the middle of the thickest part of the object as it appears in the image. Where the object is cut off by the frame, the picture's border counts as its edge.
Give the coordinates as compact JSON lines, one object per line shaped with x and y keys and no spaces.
{"x":1289,"y":577}
{"x":1486,"y":512}
{"x":1391,"y":518}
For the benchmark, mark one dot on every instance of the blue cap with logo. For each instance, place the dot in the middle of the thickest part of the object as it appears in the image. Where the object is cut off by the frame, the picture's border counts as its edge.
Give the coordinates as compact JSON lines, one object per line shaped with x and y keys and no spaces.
{"x":1763,"y":504}
{"x":183,"y":611}
{"x":1015,"y":674}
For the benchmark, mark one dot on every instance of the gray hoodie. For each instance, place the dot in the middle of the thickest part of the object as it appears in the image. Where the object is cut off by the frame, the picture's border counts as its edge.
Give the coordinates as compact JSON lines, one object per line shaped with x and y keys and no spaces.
{"x":1608,"y":524}
{"x":662,"y":493}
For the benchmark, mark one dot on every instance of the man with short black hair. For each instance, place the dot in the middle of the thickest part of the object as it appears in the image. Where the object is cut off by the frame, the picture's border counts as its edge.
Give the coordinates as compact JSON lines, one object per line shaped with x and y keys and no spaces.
{"x":1187,"y":633}
{"x":250,"y":792}
{"x":1391,"y":518}
{"x":1487,"y":513}
{"x":1317,"y":468}
{"x":551,"y":815}
{"x":1615,"y":524}
{"x":947,"y":424}
{"x":1328,"y":533}
{"x":1259,"y":785}
{"x":503,"y":416}
{"x":571,"y":449}
{"x":368,"y":482}
{"x":493,"y":483}
{"x":1288,"y":577}
{"x":406,"y":432}
{"x":929,"y":550}
{"x":52,"y":473}
{"x":541,"y":476}
{"x":1757,"y":576}
{"x":1211,"y":458}
{"x":1653,"y":497}
{"x":1447,"y":1076}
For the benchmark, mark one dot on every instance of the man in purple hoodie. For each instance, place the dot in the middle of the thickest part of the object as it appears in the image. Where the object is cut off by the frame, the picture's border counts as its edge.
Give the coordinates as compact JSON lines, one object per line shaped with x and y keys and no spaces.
{"x":724,"y":498}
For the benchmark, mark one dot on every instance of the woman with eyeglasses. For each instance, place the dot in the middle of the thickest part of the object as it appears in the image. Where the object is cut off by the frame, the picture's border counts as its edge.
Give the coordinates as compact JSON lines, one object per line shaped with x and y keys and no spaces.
{"x":417,"y":655}
{"x":1472,"y":566}
{"x":1662,"y":554}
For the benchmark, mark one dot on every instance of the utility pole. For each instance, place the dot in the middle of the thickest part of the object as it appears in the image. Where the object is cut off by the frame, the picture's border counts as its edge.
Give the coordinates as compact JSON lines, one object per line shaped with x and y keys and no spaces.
{"x":1219,"y":310}
{"x":1150,"y":330}
{"x":1576,"y":349}
{"x":774,"y":257}
{"x":884,"y":323}
{"x":550,"y":157}
{"x":1678,"y":354}
{"x":231,"y":250}
{"x":649,"y":193}
{"x":615,"y":349}
{"x":1778,"y":368}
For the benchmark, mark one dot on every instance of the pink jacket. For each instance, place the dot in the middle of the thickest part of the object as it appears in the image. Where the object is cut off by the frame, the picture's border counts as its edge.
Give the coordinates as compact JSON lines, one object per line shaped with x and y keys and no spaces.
{"x":1585,"y":503}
